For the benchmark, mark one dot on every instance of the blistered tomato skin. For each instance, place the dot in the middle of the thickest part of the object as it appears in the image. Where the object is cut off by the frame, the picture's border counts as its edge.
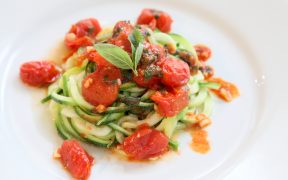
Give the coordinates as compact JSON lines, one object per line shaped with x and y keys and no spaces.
{"x":102,"y":86}
{"x":39,"y":73}
{"x":152,"y":83}
{"x":145,"y":143}
{"x":82,"y":33}
{"x":175,"y":73}
{"x":170,"y":103}
{"x":75,"y":159}
{"x":155,"y":19}
{"x":121,"y":31}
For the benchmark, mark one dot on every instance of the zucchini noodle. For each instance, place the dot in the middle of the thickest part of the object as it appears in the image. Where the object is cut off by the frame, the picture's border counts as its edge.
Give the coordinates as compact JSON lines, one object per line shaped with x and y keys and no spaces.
{"x":74,"y":116}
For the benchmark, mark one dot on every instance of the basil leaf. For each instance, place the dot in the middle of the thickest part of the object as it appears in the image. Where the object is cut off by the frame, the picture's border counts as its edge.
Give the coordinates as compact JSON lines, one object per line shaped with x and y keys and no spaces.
{"x":138,"y":55}
{"x":115,"y":55}
{"x":135,"y":38}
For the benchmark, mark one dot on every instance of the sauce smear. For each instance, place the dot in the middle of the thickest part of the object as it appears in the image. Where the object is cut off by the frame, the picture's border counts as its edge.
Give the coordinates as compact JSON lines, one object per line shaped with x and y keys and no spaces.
{"x":200,"y":143}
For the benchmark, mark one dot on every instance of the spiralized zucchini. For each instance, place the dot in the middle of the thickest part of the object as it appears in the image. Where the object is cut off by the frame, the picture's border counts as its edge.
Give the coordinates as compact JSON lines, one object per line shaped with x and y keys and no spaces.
{"x":74,"y":116}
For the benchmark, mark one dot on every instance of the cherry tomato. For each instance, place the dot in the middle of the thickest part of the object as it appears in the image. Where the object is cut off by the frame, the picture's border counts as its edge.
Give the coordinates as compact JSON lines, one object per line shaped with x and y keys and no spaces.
{"x":94,"y":56}
{"x":227,"y":90}
{"x":169,"y":103}
{"x":152,"y":83}
{"x":102,"y":86}
{"x":148,"y":18}
{"x":175,"y":72}
{"x":82,"y":33}
{"x":155,"y":19}
{"x":164,"y":22}
{"x":145,"y":143}
{"x":152,"y":54}
{"x":39,"y":73}
{"x":75,"y":159}
{"x":203,"y":52}
{"x":121,"y":31}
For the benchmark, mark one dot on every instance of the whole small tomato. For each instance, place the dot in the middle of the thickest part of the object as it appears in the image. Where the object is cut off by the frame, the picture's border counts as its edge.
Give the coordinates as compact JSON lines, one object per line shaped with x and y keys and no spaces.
{"x":145,"y":143}
{"x":175,"y":72}
{"x":75,"y":159}
{"x":82,"y":33}
{"x":171,"y":102}
{"x":155,"y":19}
{"x":39,"y":73}
{"x":121,"y":31}
{"x":102,"y":86}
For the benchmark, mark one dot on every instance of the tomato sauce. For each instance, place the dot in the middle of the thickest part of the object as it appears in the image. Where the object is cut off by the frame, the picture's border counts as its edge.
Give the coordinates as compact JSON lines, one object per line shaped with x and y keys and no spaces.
{"x":200,"y":143}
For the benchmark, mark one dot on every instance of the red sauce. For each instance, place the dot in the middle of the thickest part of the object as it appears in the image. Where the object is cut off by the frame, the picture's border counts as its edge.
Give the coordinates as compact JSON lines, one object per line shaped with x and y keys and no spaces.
{"x":227,"y":91}
{"x":199,"y":142}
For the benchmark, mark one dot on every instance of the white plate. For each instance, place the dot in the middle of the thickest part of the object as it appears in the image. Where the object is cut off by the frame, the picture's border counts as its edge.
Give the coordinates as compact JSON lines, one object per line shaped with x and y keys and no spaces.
{"x":26,"y":127}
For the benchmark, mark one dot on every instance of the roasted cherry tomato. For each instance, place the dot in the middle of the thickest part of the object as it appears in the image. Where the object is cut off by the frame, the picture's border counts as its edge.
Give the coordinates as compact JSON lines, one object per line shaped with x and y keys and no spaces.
{"x":93,"y":55}
{"x":82,"y":33}
{"x":175,"y":72}
{"x":102,"y":86}
{"x":227,"y":90}
{"x":155,"y":19}
{"x":151,"y":82}
{"x":152,"y":54}
{"x":145,"y":143}
{"x":169,"y":103}
{"x":75,"y":159}
{"x":121,"y":31}
{"x":203,"y":52}
{"x":39,"y":73}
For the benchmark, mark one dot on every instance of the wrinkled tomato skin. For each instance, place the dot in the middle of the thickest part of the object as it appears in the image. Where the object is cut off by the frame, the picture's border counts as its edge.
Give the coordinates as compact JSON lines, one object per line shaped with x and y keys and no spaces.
{"x":152,"y":54}
{"x":39,"y":73}
{"x":155,"y":19}
{"x":102,"y":86}
{"x":175,"y":72}
{"x":169,"y":103}
{"x":147,"y":17}
{"x":145,"y":143}
{"x":152,"y":83}
{"x":75,"y":159}
{"x":164,"y":22}
{"x":83,"y":33}
{"x":121,"y":31}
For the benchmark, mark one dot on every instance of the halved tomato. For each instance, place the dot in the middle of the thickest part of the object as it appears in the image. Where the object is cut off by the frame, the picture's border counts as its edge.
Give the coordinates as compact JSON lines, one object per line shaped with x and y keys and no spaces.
{"x":102,"y":86}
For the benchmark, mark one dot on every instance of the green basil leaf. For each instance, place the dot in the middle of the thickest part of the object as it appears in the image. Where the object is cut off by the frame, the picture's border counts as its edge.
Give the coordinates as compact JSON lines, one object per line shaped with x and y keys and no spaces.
{"x":138,"y":36}
{"x":115,"y":55}
{"x":135,"y":38}
{"x":138,"y":55}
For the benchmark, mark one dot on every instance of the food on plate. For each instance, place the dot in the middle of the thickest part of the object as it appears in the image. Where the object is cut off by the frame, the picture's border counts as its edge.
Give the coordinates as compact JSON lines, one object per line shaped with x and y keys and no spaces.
{"x":130,"y":88}
{"x":75,"y":159}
